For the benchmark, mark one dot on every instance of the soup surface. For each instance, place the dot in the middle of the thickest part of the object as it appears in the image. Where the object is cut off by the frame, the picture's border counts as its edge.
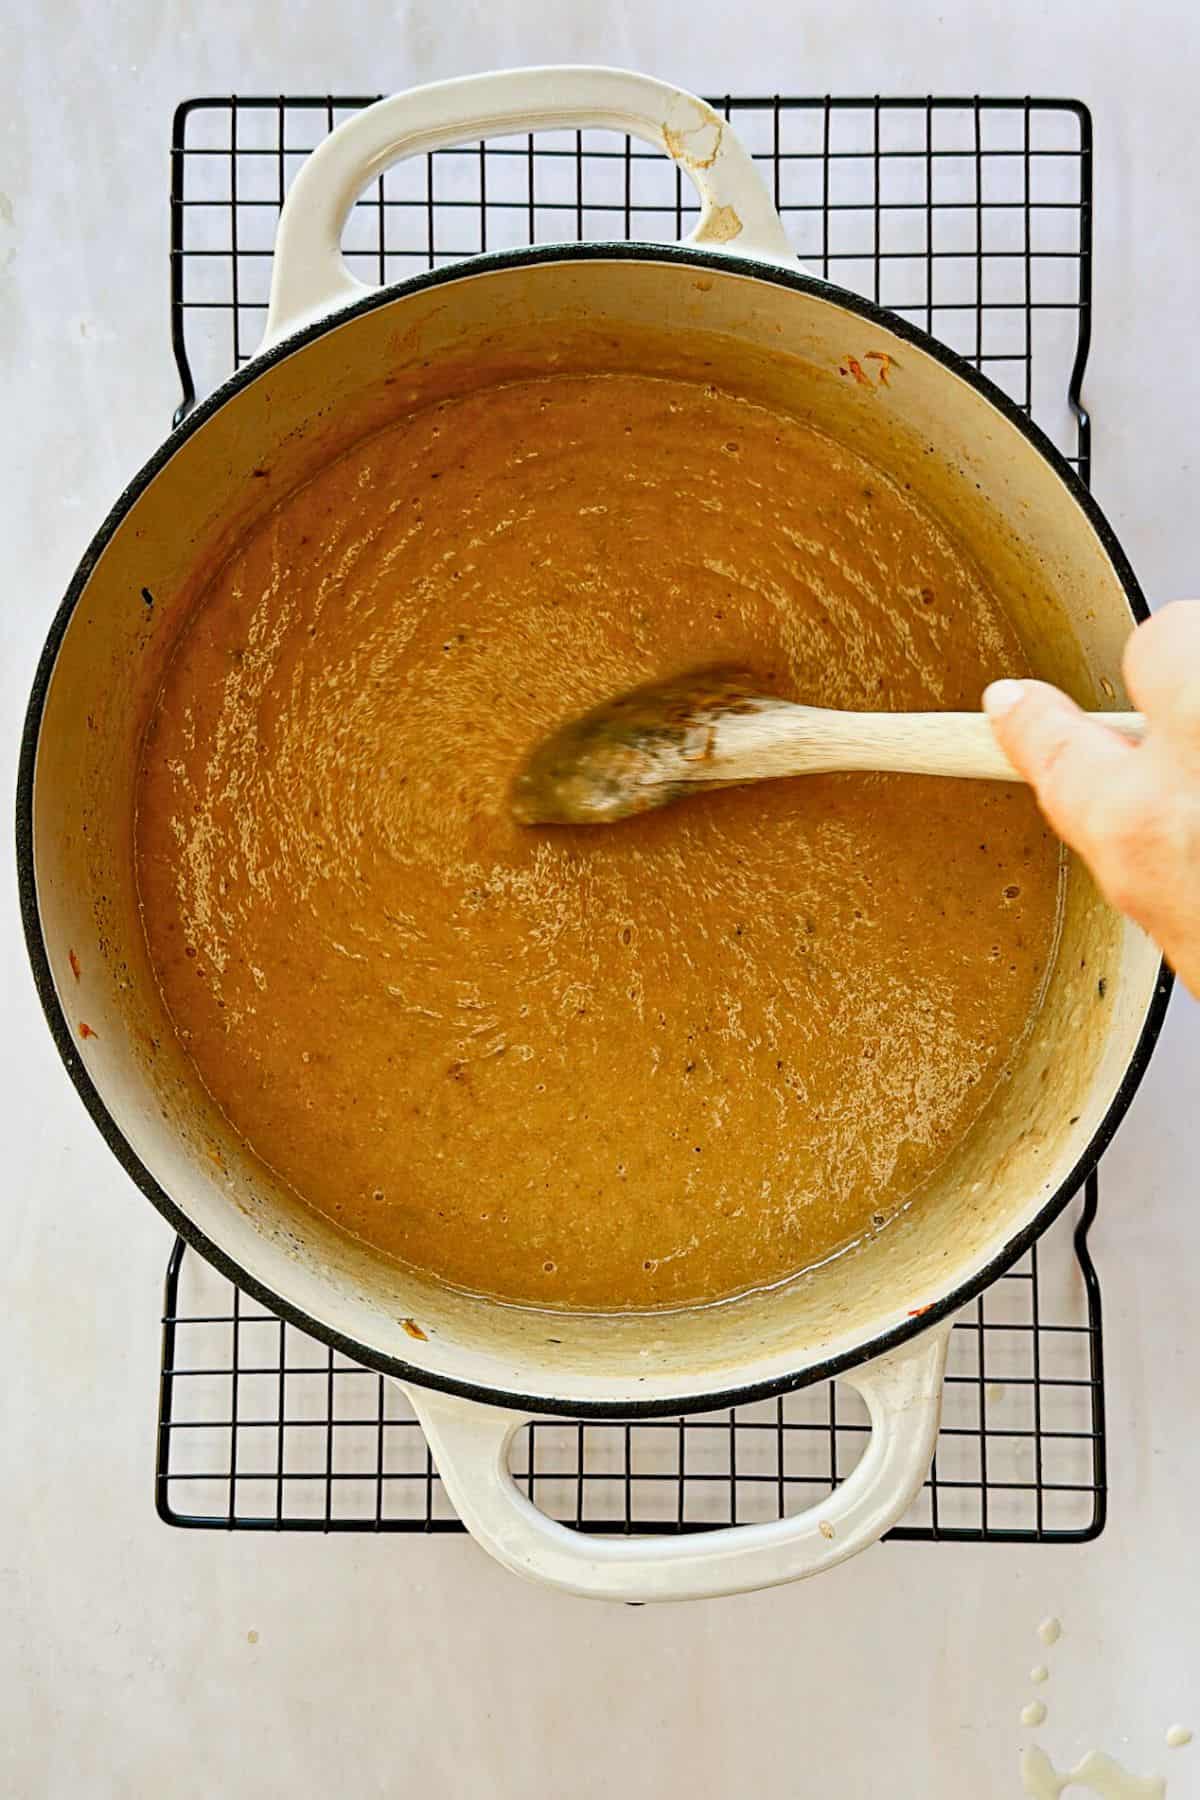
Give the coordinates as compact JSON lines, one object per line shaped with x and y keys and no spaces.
{"x":647,"y":1064}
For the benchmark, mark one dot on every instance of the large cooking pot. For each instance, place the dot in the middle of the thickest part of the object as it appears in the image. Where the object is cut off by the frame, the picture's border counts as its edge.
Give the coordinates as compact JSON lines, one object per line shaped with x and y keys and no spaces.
{"x":340,"y":359}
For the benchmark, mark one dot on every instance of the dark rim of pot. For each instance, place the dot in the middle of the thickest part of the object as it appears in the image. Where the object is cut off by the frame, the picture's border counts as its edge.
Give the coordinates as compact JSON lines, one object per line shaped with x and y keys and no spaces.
{"x":721,"y":263}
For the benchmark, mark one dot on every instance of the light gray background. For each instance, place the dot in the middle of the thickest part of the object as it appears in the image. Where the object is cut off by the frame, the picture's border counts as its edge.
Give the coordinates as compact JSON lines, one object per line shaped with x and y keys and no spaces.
{"x":406,"y":1666}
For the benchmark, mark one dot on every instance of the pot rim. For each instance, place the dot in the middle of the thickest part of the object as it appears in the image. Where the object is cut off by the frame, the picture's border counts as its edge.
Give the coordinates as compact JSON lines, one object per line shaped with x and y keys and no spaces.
{"x":686,"y":255}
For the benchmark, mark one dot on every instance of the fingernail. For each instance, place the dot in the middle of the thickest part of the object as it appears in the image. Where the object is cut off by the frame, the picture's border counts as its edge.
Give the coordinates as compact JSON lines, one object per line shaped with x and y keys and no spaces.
{"x":1002,"y":696}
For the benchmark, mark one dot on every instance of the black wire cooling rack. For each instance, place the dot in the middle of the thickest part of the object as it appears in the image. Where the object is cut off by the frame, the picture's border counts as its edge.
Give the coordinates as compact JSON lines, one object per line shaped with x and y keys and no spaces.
{"x":970,"y":216}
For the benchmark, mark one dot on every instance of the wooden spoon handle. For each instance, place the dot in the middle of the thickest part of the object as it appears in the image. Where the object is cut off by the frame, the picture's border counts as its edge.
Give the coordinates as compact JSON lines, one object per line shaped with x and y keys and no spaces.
{"x":783,"y":739}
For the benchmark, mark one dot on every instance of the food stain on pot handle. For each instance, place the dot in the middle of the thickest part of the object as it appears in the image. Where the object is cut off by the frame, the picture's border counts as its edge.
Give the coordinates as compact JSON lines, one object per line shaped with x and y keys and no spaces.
{"x":720,"y":226}
{"x":676,"y":143}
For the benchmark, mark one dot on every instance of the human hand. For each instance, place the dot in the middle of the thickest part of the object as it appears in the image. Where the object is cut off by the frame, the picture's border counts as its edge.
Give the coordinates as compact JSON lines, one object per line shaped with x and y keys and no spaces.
{"x":1132,"y":811}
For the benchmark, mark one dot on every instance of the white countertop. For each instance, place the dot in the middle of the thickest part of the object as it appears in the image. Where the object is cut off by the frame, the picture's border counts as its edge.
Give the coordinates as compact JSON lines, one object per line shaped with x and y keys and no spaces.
{"x":413,"y":1666}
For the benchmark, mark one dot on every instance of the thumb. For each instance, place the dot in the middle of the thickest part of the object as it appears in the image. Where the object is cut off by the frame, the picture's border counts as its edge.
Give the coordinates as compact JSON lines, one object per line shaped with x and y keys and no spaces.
{"x":1069,"y":759}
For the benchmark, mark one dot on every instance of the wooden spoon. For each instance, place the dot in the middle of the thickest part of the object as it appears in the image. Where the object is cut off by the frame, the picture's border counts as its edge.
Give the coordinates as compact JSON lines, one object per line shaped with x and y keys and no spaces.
{"x":715,"y":728}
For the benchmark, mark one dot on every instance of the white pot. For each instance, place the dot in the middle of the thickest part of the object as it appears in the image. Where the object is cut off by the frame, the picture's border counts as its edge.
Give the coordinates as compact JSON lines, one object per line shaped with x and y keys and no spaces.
{"x":340,"y":359}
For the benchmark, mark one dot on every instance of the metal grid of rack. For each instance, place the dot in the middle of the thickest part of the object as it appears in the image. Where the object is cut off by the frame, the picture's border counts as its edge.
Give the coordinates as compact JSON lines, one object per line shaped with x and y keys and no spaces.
{"x":973,"y":218}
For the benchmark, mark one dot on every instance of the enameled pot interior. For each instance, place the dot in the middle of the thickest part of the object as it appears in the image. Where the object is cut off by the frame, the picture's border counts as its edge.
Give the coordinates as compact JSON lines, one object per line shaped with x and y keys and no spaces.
{"x":785,"y":343}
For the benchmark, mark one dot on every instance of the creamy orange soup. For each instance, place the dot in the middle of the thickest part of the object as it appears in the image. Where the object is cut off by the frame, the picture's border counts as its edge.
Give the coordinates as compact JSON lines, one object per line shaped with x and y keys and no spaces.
{"x":630,"y":1066}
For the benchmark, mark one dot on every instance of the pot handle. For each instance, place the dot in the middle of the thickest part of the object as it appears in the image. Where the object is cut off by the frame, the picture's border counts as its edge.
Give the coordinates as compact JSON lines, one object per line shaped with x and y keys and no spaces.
{"x":310,"y":277}
{"x":470,"y":1444}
